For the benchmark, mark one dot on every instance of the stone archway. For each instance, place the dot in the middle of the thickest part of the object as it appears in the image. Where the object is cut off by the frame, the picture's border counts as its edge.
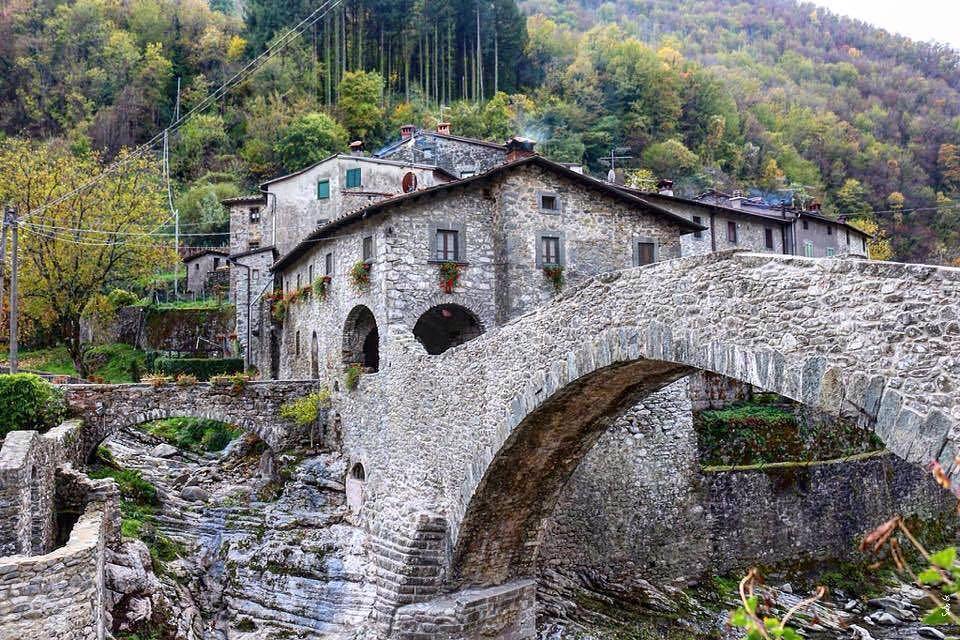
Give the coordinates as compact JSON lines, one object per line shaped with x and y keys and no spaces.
{"x":446,"y":326}
{"x":361,"y":339}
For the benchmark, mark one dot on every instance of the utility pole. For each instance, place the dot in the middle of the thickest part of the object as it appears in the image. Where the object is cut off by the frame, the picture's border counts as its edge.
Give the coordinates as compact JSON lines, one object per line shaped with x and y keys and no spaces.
{"x":612,"y":160}
{"x":3,"y":253}
{"x":11,"y":221}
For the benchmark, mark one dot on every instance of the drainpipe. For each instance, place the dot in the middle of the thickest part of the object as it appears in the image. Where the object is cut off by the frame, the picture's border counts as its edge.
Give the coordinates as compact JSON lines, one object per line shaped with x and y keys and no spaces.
{"x":713,"y":231}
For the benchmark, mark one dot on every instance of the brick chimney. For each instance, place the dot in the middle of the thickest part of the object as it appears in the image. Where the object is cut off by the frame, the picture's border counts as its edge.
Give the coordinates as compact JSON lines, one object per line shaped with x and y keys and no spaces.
{"x":356,"y":148}
{"x":443,"y":128}
{"x":406,"y":131}
{"x":518,"y":148}
{"x":665,"y":187}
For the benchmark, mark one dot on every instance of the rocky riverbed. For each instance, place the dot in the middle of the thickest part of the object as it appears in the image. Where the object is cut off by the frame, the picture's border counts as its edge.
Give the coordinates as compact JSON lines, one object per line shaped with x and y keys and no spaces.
{"x":266,"y":545}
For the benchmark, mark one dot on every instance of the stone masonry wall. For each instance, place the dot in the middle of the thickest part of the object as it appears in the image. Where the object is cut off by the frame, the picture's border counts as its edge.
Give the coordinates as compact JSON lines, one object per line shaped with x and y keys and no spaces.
{"x":817,"y":512}
{"x":58,"y":596}
{"x":632,"y":509}
{"x":462,"y":158}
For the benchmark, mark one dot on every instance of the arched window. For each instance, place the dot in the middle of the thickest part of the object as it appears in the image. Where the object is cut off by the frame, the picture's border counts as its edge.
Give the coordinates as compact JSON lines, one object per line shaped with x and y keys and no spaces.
{"x":361,"y":339}
{"x":358,"y":473}
{"x":446,"y":326}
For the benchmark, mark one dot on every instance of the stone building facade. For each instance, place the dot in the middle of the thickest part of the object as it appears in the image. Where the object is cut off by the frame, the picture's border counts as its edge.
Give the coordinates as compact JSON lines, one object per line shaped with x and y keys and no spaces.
{"x":740,"y":223}
{"x":462,"y":157}
{"x":199,"y":268}
{"x":502,"y":229}
{"x":301,"y":202}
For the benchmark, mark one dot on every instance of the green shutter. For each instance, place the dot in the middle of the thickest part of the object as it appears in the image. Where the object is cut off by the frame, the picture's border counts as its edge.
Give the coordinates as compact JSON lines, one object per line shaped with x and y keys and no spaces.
{"x":353,"y":178}
{"x":323,"y":190}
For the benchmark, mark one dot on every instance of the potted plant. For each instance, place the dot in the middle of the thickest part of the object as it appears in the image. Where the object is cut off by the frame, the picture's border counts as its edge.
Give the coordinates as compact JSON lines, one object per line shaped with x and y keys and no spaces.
{"x":554,"y":273}
{"x":360,"y":276}
{"x":449,"y":276}
{"x":321,"y":287}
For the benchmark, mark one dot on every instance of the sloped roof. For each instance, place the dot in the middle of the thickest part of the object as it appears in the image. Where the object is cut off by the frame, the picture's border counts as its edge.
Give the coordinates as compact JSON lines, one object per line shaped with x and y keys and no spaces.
{"x":223,"y":253}
{"x":446,"y":136}
{"x":442,"y":189}
{"x":373,"y":159}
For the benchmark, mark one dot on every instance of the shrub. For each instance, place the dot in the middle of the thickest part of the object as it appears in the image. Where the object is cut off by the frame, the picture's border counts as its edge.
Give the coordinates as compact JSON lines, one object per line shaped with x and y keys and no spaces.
{"x":555,"y":276}
{"x":186,"y":380}
{"x":29,"y":403}
{"x":194,"y":434}
{"x":321,"y":287}
{"x":305,"y":411}
{"x":200,"y":368}
{"x":120,"y":298}
{"x":354,"y":372}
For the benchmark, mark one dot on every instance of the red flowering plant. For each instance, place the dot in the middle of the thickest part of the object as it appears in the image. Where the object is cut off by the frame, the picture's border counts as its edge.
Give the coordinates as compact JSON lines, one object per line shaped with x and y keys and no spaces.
{"x":360,"y":276}
{"x":449,"y":276}
{"x":321,"y":287}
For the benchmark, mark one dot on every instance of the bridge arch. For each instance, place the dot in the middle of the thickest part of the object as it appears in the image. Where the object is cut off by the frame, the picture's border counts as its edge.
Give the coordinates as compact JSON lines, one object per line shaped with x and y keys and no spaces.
{"x":514,"y":411}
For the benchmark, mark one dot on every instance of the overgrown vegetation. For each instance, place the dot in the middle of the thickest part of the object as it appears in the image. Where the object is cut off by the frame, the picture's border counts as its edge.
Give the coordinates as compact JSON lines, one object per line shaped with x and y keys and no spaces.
{"x":29,"y":403}
{"x":113,"y":363}
{"x":352,"y":378}
{"x":304,"y":411}
{"x":767,"y":430}
{"x":194,"y":434}
{"x":139,"y":503}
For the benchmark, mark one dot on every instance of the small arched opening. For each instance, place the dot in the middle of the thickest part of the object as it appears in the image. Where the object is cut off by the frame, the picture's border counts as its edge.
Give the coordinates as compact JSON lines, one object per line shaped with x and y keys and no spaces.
{"x":446,"y":326}
{"x":361,"y":339}
{"x":356,"y":481}
{"x":314,"y":356}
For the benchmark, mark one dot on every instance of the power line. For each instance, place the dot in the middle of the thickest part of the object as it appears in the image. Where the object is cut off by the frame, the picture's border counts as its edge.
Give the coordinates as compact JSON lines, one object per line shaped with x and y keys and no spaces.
{"x":249,"y":69}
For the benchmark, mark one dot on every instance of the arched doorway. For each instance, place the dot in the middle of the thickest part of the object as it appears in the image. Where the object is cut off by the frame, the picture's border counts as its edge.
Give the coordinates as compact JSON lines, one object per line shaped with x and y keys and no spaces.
{"x":314,"y":357}
{"x":361,"y":339}
{"x":445,"y":326}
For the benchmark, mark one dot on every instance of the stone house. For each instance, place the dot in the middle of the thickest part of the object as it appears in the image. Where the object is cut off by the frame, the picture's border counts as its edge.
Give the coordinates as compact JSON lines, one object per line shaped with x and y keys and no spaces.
{"x":300,"y":202}
{"x":200,"y":266}
{"x":463,"y":157}
{"x":734,"y":222}
{"x":513,"y":234}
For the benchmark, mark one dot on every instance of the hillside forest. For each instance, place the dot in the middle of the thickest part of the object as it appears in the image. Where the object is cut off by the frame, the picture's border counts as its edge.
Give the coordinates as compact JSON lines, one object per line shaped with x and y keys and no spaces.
{"x":770,"y":95}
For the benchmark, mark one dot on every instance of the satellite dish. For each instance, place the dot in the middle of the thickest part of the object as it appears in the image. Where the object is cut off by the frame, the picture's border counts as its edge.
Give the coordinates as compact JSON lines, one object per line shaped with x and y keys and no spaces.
{"x":409,"y":182}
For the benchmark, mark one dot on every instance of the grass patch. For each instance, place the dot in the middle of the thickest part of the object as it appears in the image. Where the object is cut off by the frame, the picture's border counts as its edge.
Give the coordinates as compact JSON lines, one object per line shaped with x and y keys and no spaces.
{"x":114,"y":363}
{"x":194,"y":434}
{"x":190,"y":305}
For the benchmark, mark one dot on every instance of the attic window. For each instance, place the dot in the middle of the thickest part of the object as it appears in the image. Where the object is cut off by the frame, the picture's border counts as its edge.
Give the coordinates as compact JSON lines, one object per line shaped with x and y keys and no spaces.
{"x":254,"y":214}
{"x":323,"y":190}
{"x":409,"y":182}
{"x":353,"y":178}
{"x":806,"y":225}
{"x":549,"y":202}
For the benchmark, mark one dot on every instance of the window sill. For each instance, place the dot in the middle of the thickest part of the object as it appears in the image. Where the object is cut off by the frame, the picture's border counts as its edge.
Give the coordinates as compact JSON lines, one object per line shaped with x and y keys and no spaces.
{"x":456,"y":262}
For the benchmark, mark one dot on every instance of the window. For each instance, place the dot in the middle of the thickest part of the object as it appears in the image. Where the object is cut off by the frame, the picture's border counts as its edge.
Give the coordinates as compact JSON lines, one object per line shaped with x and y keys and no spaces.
{"x":297,"y":345}
{"x":368,"y":249}
{"x":768,"y":238}
{"x":353,"y":178}
{"x":808,"y":249}
{"x":549,"y":202}
{"x":328,"y":264}
{"x":216,"y":263}
{"x":323,"y":190}
{"x":310,"y":276}
{"x":831,"y":252}
{"x":254,"y":214}
{"x":732,"y":232}
{"x":256,"y":275}
{"x":467,"y":174}
{"x":698,"y":234}
{"x":196,"y":267}
{"x":447,"y":245}
{"x":863,"y":241}
{"x":848,"y":237}
{"x":829,"y":229}
{"x":646,"y":253}
{"x":253,"y":244}
{"x":806,"y":225}
{"x":550,"y":251}
{"x":298,"y":282}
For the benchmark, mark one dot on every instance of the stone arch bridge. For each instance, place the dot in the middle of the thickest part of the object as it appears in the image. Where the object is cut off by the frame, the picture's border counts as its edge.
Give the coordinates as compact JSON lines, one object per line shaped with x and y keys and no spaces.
{"x":466,"y":453}
{"x":254,"y":407}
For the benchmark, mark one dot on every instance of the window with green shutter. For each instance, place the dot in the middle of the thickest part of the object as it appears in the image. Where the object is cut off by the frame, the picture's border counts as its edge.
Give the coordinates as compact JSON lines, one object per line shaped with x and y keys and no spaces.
{"x":323,"y":190}
{"x":353,"y":178}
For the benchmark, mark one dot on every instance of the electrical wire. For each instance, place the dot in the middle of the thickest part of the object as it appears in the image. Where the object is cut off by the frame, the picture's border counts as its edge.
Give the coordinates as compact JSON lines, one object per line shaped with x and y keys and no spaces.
{"x":249,"y":69}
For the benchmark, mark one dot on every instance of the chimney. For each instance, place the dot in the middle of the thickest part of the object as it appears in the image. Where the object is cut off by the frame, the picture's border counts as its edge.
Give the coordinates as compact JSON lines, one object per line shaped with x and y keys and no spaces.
{"x":665,"y":187}
{"x":406,"y":131}
{"x":356,"y":148}
{"x":443,"y":128}
{"x":518,"y":148}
